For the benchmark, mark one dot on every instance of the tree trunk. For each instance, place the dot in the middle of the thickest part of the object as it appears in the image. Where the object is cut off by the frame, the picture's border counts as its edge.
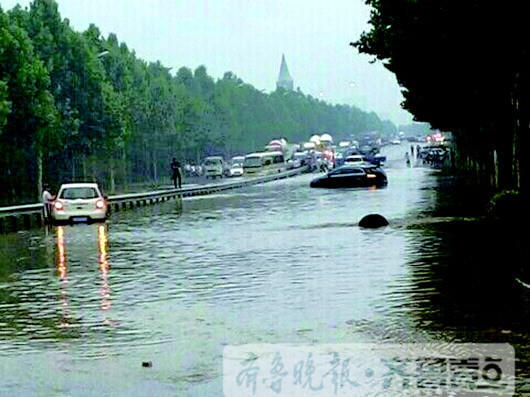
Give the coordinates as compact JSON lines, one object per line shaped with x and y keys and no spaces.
{"x":146,"y":171}
{"x":73,"y":168}
{"x":94,"y":167}
{"x":83,"y":168}
{"x":111,"y":175}
{"x":524,"y":130}
{"x":504,"y":136}
{"x":124,"y":168}
{"x":155,"y":164}
{"x":39,"y":174}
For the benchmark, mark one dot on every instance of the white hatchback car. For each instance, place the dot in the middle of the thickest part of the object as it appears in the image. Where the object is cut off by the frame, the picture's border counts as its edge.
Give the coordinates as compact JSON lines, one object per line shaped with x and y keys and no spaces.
{"x":79,"y":202}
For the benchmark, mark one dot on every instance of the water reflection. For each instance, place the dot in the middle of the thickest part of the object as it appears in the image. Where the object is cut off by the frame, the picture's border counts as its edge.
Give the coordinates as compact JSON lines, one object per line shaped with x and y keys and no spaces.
{"x":66,"y":319}
{"x":62,"y":271}
{"x":103,"y":268}
{"x":271,"y":263}
{"x":61,"y":254}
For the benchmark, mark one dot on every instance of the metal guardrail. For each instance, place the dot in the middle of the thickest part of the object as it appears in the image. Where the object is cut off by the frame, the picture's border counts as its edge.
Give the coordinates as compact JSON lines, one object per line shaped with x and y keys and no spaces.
{"x":20,"y":209}
{"x":123,"y":201}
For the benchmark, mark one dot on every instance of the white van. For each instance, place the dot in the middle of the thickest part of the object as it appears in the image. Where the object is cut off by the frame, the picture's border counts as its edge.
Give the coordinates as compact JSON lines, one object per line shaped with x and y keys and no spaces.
{"x":213,"y":166}
{"x":253,"y":163}
{"x":264,"y":162}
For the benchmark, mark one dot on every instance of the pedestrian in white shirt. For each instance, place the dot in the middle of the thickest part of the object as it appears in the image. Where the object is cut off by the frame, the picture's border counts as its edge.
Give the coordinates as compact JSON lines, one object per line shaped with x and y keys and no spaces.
{"x":47,"y":199}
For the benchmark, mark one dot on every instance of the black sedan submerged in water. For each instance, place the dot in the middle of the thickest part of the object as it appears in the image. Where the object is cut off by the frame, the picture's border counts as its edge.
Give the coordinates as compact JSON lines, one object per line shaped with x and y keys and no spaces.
{"x":358,"y":175}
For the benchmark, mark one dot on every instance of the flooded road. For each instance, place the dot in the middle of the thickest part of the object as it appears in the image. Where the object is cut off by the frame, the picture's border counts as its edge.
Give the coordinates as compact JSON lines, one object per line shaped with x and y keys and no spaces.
{"x":83,"y":306}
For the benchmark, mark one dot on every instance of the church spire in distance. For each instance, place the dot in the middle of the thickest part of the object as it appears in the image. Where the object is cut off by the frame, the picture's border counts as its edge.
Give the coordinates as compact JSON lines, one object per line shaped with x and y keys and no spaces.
{"x":285,"y":80}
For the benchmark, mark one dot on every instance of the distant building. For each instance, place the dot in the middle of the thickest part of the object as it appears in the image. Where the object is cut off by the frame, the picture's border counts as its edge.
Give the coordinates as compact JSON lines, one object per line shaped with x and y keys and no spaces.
{"x":285,"y":80}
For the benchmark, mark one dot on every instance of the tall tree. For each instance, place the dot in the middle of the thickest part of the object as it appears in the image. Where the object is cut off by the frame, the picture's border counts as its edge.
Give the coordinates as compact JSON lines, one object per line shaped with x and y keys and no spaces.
{"x":28,"y":111}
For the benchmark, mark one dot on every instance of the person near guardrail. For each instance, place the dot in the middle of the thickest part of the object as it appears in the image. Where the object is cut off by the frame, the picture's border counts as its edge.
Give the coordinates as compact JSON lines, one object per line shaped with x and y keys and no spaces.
{"x":47,"y":199}
{"x":176,"y":175}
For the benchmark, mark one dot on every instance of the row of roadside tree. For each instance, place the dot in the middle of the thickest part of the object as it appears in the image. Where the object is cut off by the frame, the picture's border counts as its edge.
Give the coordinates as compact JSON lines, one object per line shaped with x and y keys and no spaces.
{"x":465,"y":67}
{"x":80,"y":106}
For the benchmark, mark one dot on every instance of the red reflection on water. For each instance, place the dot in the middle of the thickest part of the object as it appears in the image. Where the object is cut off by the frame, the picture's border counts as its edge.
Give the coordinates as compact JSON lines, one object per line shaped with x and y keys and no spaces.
{"x":61,"y":254}
{"x":62,"y":270}
{"x":103,"y":268}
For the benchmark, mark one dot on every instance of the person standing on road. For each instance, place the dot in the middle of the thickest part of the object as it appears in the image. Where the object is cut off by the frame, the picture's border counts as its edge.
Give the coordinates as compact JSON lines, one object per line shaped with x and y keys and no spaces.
{"x":47,"y":199}
{"x":407,"y":158}
{"x":176,"y":176}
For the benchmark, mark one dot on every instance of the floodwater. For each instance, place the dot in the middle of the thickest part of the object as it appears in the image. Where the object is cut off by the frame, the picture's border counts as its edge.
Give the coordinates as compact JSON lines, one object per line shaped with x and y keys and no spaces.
{"x":81,"y":307}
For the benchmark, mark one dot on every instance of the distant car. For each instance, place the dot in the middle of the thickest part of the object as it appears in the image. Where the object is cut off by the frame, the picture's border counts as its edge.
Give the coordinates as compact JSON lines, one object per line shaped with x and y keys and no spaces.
{"x":352,"y":176}
{"x":237,"y":160}
{"x":379,"y":159}
{"x":293,"y":163}
{"x":213,"y":167}
{"x":320,"y":163}
{"x":302,"y":157}
{"x":236,"y":170}
{"x":236,"y":166}
{"x":79,"y":202}
{"x":366,"y":149}
{"x":341,"y":157}
{"x":395,"y":142}
{"x":355,"y":158}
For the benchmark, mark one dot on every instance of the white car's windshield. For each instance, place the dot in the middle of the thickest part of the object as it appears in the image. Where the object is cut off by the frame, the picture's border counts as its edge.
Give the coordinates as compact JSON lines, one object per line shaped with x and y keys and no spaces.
{"x":253,"y":162}
{"x":74,"y":193}
{"x":212,"y":162}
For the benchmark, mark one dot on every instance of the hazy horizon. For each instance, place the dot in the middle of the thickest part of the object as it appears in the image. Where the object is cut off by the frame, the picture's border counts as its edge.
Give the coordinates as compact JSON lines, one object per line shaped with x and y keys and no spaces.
{"x":249,"y":38}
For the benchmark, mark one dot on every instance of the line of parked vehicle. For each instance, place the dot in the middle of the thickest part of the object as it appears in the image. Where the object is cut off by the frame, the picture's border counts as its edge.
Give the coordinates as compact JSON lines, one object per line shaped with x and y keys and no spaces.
{"x":354,"y":167}
{"x":434,"y":155}
{"x":83,"y":202}
{"x":252,"y":164}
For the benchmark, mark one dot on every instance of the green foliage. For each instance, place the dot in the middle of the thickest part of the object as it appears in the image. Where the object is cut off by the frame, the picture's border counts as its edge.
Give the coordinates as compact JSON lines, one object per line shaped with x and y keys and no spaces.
{"x":87,"y":108}
{"x":27,"y":111}
{"x":5,"y":104}
{"x":464,"y":67}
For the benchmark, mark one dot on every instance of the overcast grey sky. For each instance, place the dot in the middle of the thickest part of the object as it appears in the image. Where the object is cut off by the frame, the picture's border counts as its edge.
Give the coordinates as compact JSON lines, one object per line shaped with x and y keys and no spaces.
{"x":248,"y":38}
